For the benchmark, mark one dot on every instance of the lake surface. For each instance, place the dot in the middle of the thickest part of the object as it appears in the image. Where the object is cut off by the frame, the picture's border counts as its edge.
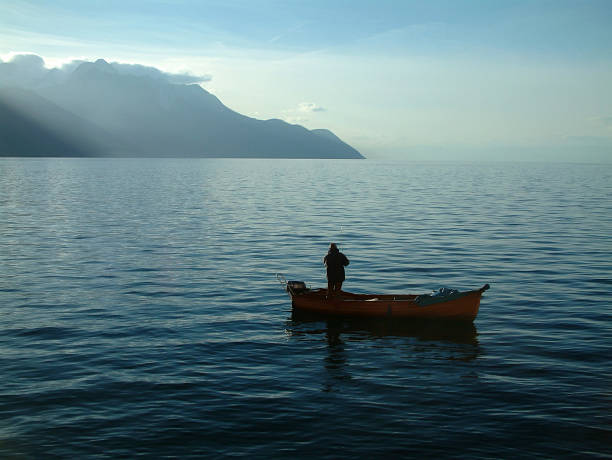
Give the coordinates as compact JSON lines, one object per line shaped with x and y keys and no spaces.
{"x":141,"y":316}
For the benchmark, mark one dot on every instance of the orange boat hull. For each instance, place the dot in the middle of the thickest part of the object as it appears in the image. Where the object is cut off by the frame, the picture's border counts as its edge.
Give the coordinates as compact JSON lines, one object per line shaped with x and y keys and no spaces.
{"x":464,"y":308}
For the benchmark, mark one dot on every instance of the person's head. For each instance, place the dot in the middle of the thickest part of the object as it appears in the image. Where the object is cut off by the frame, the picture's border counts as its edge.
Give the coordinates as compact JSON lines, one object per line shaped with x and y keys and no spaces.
{"x":333,"y":247}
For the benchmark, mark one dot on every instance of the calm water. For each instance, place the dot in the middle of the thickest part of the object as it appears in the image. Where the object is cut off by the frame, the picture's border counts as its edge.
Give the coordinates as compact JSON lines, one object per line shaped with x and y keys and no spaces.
{"x":140,"y":314}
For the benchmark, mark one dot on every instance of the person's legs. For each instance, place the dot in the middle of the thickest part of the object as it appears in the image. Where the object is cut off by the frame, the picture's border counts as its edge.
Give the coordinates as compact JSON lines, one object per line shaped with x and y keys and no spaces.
{"x":330,"y":287}
{"x":337,"y":286}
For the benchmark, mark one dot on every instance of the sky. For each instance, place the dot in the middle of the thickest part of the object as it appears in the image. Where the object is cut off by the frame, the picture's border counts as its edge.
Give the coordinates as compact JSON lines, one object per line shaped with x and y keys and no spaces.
{"x":416,"y":80}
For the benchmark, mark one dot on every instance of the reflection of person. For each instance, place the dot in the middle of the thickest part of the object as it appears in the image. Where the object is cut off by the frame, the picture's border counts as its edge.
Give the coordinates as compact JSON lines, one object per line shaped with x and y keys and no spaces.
{"x":335,"y":262}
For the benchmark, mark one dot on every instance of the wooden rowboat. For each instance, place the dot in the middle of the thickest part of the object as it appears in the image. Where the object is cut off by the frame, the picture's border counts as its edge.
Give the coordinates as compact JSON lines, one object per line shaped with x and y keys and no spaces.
{"x":458,"y":306}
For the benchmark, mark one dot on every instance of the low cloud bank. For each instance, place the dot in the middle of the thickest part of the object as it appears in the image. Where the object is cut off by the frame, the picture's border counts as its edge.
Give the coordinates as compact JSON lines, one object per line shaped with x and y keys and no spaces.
{"x":310,"y":107}
{"x":28,"y":70}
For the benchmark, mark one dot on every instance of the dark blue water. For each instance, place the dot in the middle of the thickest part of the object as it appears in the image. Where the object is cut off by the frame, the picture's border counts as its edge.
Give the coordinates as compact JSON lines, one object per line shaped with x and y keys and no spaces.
{"x":140,"y":314}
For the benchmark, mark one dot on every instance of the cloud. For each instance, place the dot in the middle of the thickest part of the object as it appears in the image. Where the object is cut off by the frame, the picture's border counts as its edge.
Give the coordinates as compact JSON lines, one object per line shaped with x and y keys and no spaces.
{"x":298,"y":115}
{"x":309,"y":107}
{"x":29,"y":71}
{"x":152,"y":72}
{"x":27,"y":61}
{"x":22,"y":70}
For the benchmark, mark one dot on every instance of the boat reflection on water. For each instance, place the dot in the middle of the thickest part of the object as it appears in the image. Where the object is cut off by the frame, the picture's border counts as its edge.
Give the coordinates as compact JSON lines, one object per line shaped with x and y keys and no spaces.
{"x":422,"y":330}
{"x":354,"y":344}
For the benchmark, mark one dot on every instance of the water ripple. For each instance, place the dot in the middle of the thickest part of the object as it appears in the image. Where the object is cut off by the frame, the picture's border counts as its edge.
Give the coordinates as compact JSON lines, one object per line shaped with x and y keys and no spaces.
{"x":141,"y":316}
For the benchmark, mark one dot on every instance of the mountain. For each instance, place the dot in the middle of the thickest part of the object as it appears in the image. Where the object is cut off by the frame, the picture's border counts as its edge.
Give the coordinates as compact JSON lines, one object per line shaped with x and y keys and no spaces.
{"x":33,"y":126}
{"x":123,"y":114}
{"x":21,"y":135}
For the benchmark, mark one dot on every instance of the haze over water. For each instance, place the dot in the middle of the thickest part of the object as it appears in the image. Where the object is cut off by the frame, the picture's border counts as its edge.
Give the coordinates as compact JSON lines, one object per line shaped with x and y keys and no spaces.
{"x":140,"y":314}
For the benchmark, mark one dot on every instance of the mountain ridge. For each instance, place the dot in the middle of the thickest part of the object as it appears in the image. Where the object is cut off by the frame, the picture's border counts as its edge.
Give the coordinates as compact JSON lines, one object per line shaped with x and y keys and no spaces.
{"x":147,"y":116}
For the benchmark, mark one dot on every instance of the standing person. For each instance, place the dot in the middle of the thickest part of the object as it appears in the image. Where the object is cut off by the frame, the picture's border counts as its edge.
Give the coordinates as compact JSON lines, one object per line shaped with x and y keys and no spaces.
{"x":335,"y":262}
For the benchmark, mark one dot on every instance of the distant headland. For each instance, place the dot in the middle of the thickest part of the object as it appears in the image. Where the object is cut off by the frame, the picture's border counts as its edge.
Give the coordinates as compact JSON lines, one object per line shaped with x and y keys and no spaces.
{"x":95,"y":110}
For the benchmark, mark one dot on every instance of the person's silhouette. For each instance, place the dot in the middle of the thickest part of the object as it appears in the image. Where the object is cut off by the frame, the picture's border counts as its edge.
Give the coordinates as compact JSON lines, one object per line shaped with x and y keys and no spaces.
{"x":335,"y":262}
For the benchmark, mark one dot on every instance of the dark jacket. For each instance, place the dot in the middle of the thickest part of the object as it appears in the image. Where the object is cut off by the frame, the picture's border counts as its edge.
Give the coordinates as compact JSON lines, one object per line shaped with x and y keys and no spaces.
{"x":335,"y":262}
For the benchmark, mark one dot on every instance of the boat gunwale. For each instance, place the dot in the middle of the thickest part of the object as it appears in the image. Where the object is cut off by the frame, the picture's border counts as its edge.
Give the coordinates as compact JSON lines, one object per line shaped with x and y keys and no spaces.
{"x":346,"y":296}
{"x":463,"y":307}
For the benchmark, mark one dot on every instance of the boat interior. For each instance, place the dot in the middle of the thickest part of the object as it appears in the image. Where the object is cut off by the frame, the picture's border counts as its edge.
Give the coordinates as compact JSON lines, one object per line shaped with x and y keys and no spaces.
{"x":363,"y":297}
